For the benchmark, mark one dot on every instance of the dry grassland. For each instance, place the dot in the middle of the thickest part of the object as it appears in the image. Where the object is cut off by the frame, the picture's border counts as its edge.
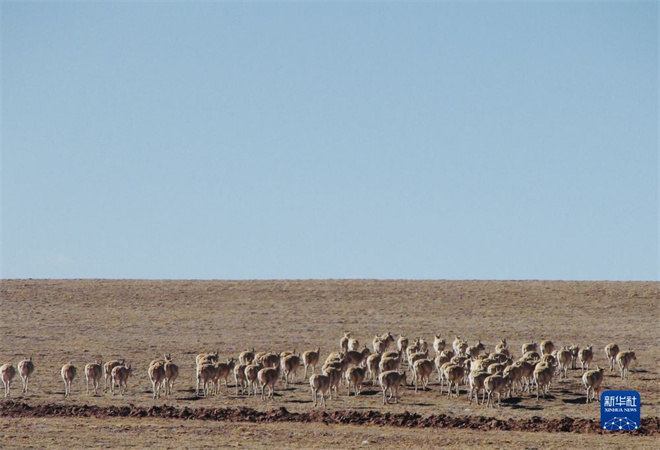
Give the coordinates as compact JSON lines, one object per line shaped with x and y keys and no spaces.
{"x":56,"y":321}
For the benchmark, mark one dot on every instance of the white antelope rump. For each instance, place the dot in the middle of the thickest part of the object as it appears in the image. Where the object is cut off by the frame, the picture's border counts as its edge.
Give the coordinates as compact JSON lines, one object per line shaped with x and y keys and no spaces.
{"x":543,"y":377}
{"x":25,"y":370}
{"x":319,"y":384}
{"x":477,"y":379}
{"x":355,"y":377}
{"x":495,"y":384}
{"x":268,"y":377}
{"x":564,"y":358}
{"x":423,"y":368}
{"x":454,"y":375}
{"x":251,"y":372}
{"x":439,"y":344}
{"x":239,"y":378}
{"x":68,"y":374}
{"x":120,"y":376}
{"x":592,"y":381}
{"x":611,"y":351}
{"x":156,"y":373}
{"x":93,"y":373}
{"x":624,"y":359}
{"x":343,"y":342}
{"x":171,"y":374}
{"x":7,"y":373}
{"x":311,"y":359}
{"x":391,"y":381}
{"x":290,"y":365}
{"x":586,"y":355}
{"x":107,"y":372}
{"x":547,"y":347}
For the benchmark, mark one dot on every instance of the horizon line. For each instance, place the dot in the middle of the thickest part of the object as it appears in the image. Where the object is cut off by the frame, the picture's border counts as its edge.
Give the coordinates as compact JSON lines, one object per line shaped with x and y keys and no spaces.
{"x":336,"y":279}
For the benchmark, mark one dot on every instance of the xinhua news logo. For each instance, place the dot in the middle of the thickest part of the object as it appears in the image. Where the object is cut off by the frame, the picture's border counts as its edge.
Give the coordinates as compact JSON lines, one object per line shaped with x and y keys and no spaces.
{"x":620,"y":410}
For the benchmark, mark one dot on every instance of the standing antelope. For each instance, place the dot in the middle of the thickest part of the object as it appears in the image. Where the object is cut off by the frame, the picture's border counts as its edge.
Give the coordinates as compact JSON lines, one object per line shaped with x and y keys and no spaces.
{"x":25,"y":369}
{"x":311,"y":358}
{"x":355,"y":377}
{"x":624,"y":359}
{"x":268,"y":378}
{"x":343,"y":342}
{"x":586,"y":355}
{"x":156,"y":372}
{"x":120,"y":376}
{"x":7,"y":373}
{"x":93,"y":373}
{"x":319,"y":382}
{"x":107,"y":370}
{"x":391,"y":381}
{"x":171,"y":374}
{"x":611,"y":351}
{"x":68,"y":374}
{"x":592,"y":381}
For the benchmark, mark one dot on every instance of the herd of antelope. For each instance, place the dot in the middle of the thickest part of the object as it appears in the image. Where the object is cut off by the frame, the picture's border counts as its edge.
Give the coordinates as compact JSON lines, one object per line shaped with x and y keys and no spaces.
{"x":489,"y":373}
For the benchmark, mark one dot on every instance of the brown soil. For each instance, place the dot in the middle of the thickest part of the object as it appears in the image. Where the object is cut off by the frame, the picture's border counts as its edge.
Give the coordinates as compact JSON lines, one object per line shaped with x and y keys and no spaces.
{"x":12,"y":409}
{"x":57,"y":321}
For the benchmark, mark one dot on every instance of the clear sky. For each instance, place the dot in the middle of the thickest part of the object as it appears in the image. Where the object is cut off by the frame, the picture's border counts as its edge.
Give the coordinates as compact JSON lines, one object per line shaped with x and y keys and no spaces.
{"x":330,"y":140}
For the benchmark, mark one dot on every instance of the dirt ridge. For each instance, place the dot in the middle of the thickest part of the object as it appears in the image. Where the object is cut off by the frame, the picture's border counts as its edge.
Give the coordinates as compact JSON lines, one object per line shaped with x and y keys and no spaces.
{"x":650,"y":426}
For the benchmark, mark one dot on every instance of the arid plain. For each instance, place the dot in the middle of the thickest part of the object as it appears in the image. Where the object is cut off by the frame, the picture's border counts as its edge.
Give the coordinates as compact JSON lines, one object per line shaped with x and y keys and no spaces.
{"x":57,"y":321}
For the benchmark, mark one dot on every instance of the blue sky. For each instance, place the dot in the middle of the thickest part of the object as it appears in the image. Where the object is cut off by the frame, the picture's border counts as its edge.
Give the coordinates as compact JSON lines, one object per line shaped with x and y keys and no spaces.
{"x":330,"y":140}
